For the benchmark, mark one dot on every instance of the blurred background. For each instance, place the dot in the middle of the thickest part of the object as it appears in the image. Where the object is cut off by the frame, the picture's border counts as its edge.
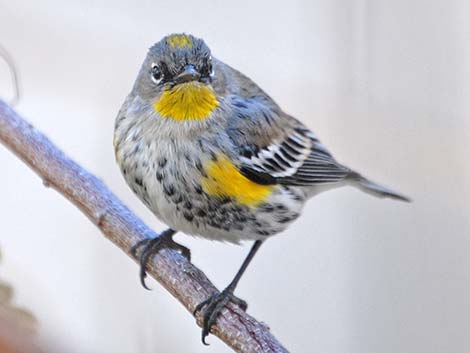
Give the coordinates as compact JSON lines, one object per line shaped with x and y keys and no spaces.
{"x":384,"y":84}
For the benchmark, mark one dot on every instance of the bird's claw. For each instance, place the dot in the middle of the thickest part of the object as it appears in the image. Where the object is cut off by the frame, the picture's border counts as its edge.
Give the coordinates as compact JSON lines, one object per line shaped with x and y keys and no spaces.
{"x":136,"y":247}
{"x":146,"y":248}
{"x":214,"y":305}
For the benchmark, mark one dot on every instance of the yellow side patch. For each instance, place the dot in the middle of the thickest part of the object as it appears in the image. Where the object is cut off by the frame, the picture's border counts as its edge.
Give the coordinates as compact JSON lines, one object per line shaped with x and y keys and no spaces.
{"x":179,"y":41}
{"x":187,"y":101}
{"x":224,"y":180}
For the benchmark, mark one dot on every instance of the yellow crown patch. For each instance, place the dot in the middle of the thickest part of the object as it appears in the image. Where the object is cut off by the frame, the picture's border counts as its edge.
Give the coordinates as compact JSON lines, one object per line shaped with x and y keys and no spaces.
{"x":180,"y":41}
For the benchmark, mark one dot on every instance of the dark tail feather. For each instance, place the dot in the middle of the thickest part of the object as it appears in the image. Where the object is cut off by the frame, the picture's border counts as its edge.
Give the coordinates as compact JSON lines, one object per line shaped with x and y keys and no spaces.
{"x":375,"y":189}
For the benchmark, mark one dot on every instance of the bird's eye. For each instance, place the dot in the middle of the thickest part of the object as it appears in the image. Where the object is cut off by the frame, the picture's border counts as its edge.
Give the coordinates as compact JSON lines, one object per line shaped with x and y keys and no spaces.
{"x":156,"y":73}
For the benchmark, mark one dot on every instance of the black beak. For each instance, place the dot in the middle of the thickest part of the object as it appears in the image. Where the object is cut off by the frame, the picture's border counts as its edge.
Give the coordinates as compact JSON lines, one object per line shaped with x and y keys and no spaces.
{"x":188,"y":74}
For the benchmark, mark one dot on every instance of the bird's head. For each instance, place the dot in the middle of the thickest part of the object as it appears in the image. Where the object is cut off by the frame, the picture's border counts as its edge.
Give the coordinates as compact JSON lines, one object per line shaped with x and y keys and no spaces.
{"x":176,"y":77}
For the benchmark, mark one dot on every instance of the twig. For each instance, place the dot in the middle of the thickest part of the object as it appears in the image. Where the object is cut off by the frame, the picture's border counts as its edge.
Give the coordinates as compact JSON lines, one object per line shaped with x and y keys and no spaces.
{"x":182,"y":279}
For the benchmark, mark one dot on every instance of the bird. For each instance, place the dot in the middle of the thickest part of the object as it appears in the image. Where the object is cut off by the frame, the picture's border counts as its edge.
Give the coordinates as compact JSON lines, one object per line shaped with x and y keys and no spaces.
{"x":212,"y":155}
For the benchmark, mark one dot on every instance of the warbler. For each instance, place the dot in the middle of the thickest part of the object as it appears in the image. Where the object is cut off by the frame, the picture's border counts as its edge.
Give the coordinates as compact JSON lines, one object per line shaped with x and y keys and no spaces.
{"x":212,"y":155}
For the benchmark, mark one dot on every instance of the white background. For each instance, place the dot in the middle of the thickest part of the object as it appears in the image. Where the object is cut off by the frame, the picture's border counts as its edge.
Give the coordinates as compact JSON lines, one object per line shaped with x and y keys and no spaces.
{"x":385,"y":84}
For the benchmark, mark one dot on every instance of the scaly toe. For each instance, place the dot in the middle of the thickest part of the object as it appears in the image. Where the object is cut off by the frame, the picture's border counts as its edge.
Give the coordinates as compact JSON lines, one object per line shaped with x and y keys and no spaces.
{"x":201,"y":305}
{"x":183,"y":250}
{"x":215,"y":311}
{"x":239,"y":302}
{"x":145,"y":249}
{"x":214,"y":306}
{"x":150,"y":248}
{"x":136,"y":247}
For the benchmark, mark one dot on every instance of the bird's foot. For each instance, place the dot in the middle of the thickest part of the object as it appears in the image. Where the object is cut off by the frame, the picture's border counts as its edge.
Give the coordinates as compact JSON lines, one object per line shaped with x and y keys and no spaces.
{"x":145,"y":249}
{"x":213,"y":307}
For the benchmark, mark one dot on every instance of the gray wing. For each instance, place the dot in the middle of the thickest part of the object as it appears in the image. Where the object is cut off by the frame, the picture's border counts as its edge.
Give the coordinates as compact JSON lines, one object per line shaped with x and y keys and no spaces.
{"x":275,"y":148}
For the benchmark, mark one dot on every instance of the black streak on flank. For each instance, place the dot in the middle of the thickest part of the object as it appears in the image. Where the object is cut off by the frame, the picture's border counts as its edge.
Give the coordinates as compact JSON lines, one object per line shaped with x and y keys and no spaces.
{"x":201,"y":145}
{"x":224,"y":201}
{"x":162,"y":162}
{"x":213,"y":156}
{"x":214,"y":224}
{"x":189,"y":217}
{"x":238,"y":226}
{"x":168,"y":189}
{"x":159,"y":176}
{"x":240,"y":218}
{"x":266,"y":208}
{"x":284,"y":219}
{"x":178,"y":199}
{"x":201,"y":168}
{"x":198,"y":189}
{"x":201,"y":213}
{"x":138,"y":181}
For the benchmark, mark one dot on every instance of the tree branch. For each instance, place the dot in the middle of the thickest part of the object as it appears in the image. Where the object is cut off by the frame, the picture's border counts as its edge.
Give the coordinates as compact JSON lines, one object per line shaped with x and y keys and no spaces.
{"x":182,"y":279}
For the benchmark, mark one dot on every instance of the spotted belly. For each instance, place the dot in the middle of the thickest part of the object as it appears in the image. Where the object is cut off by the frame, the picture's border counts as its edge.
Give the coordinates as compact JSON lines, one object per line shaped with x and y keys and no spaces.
{"x":209,"y":197}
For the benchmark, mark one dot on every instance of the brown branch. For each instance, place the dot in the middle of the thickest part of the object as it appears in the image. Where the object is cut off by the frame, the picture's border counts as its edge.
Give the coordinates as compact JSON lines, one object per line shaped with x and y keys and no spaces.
{"x":182,"y":279}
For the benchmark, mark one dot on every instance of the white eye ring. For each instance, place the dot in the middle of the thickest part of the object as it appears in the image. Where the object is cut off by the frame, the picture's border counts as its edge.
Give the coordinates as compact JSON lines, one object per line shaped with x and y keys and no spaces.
{"x":155,"y":74}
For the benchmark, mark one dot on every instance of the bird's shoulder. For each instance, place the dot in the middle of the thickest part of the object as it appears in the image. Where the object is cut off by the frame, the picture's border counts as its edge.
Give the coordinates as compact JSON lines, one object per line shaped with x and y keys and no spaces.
{"x":229,"y":81}
{"x":273,"y":147}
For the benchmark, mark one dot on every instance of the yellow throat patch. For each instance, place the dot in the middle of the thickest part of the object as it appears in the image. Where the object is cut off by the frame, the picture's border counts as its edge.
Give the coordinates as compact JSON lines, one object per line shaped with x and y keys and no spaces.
{"x":187,"y":101}
{"x":224,"y":180}
{"x":180,"y":41}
